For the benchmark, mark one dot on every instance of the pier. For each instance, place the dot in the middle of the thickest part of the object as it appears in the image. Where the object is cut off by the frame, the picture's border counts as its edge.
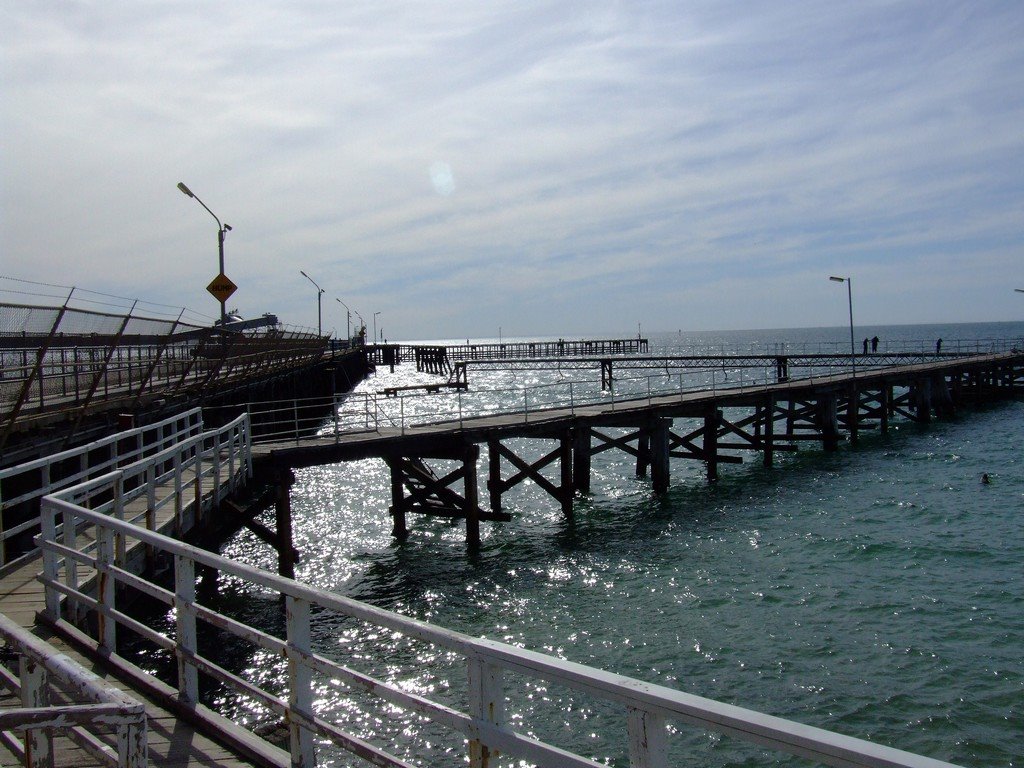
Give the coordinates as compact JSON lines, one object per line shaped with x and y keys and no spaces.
{"x":707,"y":425}
{"x":108,"y":532}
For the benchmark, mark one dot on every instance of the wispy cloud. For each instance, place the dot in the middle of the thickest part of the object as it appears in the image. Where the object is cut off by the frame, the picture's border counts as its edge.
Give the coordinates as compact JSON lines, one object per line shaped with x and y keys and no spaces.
{"x":538,"y":166}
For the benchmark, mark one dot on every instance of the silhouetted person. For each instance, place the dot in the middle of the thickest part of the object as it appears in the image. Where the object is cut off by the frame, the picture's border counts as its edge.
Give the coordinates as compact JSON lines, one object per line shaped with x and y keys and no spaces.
{"x":874,"y":344}
{"x":865,"y":346}
{"x":938,"y":346}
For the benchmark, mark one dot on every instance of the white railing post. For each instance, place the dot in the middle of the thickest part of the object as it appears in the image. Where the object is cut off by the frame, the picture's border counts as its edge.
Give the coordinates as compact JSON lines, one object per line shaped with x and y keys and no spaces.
{"x":336,"y":407}
{"x":217,"y":468}
{"x":185,"y":624}
{"x":401,"y":412}
{"x":51,"y":562}
{"x":648,"y":743}
{"x":486,"y":705}
{"x":119,"y":552}
{"x":526,"y":405}
{"x":295,"y":418}
{"x":460,"y":409}
{"x":106,"y":624}
{"x":178,"y":503}
{"x":572,"y":400}
{"x":70,"y":540}
{"x":246,"y":445}
{"x":35,"y":693}
{"x":300,"y":681}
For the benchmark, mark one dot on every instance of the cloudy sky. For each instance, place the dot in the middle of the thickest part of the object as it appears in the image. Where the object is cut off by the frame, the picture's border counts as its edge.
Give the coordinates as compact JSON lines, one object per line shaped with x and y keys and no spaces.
{"x":557,"y":168}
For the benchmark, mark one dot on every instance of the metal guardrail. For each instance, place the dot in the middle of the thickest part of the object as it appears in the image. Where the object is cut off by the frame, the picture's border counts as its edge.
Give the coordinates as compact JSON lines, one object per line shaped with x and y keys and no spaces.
{"x":496,"y":677}
{"x":60,"y":359}
{"x":351,"y":413}
{"x":57,"y":693}
{"x":23,"y":485}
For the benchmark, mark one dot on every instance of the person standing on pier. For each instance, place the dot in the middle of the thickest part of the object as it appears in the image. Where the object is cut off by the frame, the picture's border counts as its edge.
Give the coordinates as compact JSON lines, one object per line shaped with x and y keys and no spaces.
{"x":865,"y":346}
{"x":938,"y":346}
{"x":874,"y":344}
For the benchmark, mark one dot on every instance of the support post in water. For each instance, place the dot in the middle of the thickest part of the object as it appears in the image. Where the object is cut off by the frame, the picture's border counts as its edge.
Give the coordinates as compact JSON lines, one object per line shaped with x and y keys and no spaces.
{"x":283,"y":513}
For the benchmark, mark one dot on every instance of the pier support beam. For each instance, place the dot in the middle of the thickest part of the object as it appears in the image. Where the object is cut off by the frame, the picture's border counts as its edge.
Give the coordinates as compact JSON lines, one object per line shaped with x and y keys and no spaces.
{"x":416,"y":488}
{"x":658,"y":447}
{"x":828,"y":422}
{"x":283,"y":519}
{"x":922,"y":399}
{"x":712,"y":419}
{"x":563,"y":492}
{"x":767,"y":426}
{"x":581,"y":459}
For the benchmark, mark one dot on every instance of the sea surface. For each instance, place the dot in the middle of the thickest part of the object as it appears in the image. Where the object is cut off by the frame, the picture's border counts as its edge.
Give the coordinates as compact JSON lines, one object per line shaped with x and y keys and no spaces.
{"x":877,"y":591}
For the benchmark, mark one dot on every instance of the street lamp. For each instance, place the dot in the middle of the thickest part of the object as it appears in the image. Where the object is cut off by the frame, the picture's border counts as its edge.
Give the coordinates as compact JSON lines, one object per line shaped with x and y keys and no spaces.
{"x":375,"y":327}
{"x":348,"y":319}
{"x":849,"y":297}
{"x":319,"y":297}
{"x":221,"y":230}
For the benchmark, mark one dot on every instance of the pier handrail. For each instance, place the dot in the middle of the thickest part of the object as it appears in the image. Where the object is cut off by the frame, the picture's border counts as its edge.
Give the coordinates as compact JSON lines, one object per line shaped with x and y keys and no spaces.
{"x":122,"y":449}
{"x":360,"y":412}
{"x":57,"y":692}
{"x":647,"y":708}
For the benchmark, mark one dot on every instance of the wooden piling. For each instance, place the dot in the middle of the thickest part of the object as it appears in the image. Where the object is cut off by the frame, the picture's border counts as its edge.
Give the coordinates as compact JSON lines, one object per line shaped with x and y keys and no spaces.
{"x":581,"y":455}
{"x":283,"y":515}
{"x":659,"y":454}
{"x":712,"y":419}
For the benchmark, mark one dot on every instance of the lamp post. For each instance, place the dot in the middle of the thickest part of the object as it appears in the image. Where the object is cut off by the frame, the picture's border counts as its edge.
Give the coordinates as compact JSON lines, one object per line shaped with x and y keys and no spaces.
{"x":348,"y":319}
{"x":849,"y":298}
{"x":375,"y":327}
{"x":319,"y":298}
{"x":221,"y":230}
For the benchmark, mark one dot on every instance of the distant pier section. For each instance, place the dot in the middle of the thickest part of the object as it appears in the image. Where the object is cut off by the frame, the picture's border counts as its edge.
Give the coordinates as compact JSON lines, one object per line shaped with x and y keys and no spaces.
{"x":438,"y":359}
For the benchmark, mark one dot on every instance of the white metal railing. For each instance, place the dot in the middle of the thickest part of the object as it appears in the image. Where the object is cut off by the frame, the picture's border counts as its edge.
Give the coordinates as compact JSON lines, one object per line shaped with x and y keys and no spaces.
{"x":361,"y":412}
{"x":495,"y":681}
{"x":67,"y":468}
{"x":57,"y":693}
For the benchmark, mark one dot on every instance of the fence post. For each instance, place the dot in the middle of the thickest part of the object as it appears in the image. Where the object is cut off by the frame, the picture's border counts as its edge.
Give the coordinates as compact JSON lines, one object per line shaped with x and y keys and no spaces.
{"x":106,"y":632}
{"x":51,"y":563}
{"x":648,"y":745}
{"x":119,"y":552}
{"x":178,"y":525}
{"x":526,"y":405}
{"x":217,"y":469}
{"x":185,"y":623}
{"x":300,"y":681}
{"x":486,"y":705}
{"x":35,"y":693}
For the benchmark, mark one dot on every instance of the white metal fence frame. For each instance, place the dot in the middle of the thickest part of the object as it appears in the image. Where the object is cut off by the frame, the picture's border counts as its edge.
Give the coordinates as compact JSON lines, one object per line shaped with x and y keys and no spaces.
{"x":352,"y":413}
{"x":646,"y":707}
{"x":122,"y":449}
{"x":43,"y":679}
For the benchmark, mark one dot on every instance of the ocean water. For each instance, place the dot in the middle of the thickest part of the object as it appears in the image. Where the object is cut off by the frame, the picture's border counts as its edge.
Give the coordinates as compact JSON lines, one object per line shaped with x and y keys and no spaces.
{"x":877,"y":591}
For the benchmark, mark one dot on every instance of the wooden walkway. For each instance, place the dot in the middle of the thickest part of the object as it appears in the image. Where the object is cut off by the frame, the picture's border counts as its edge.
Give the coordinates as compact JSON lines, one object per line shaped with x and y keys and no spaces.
{"x":173,"y":741}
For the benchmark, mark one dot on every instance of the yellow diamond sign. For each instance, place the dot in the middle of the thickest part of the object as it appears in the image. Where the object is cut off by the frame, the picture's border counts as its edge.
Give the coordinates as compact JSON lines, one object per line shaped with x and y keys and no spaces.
{"x":221,"y":287}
